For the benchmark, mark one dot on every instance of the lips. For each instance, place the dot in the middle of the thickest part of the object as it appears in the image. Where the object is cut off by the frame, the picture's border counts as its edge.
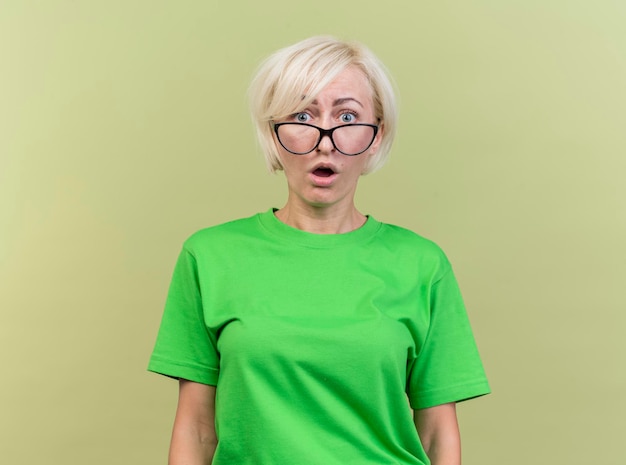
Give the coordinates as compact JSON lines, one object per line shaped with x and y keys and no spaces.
{"x":323,"y":175}
{"x":323,"y":172}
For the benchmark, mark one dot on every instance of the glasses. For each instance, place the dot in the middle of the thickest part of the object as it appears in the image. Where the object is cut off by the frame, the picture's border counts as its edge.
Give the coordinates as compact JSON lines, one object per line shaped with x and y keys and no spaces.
{"x":302,"y":138}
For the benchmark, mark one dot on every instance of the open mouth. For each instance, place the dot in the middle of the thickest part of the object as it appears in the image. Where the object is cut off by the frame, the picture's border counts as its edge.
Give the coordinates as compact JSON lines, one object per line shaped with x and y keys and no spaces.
{"x":323,"y":172}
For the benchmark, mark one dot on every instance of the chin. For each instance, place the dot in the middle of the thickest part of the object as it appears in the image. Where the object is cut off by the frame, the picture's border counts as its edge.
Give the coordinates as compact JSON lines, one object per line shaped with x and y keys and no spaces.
{"x":322,"y":201}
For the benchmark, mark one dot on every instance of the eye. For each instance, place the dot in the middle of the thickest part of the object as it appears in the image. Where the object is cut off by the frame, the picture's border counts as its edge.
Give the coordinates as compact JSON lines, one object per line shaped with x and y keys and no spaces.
{"x":302,"y":117}
{"x":347,"y":118}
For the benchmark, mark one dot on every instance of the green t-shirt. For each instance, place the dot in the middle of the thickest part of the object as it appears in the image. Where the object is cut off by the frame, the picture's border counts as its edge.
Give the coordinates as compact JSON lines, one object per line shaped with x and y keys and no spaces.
{"x":315,"y":341}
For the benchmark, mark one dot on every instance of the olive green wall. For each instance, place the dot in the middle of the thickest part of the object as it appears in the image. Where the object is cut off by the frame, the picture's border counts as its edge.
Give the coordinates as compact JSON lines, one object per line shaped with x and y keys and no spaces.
{"x":123,"y":129}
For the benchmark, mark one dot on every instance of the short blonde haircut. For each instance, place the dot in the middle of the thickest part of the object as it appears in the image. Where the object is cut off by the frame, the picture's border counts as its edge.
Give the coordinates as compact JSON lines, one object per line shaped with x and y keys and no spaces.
{"x":290,"y":79}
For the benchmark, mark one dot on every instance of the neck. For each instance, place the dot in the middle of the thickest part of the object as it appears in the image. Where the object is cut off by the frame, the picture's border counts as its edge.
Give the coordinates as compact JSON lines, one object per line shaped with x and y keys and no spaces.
{"x":321,"y":220}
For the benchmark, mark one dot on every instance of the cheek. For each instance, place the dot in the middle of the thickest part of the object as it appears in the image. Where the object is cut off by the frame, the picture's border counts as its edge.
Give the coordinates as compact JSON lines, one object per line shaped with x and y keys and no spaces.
{"x":366,"y":161}
{"x":356,"y":166}
{"x":292,"y":165}
{"x":284,"y":157}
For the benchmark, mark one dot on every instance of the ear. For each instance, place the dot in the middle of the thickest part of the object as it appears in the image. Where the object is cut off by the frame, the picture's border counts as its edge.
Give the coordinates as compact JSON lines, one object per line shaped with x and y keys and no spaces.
{"x":277,"y":164}
{"x":378,"y":139}
{"x":373,"y":150}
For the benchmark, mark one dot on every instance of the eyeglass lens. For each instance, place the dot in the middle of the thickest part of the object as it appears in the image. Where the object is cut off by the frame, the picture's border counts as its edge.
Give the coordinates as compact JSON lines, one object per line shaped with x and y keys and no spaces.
{"x":301,"y":139}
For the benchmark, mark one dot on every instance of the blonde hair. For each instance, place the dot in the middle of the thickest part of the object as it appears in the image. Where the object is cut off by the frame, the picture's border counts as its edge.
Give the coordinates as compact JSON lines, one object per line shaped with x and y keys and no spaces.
{"x":290,"y":79}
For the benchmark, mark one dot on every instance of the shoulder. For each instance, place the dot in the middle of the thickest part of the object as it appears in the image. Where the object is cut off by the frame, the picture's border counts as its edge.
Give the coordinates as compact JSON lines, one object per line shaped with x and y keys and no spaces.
{"x":408,"y":245}
{"x":221,"y":234}
{"x":406,"y":238}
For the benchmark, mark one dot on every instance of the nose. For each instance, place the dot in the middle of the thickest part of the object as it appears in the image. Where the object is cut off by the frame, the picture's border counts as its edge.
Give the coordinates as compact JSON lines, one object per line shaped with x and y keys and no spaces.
{"x":326,"y":144}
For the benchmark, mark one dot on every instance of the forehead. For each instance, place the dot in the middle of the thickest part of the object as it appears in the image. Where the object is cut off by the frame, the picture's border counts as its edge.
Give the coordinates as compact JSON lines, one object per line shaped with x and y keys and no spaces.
{"x":351,"y":83}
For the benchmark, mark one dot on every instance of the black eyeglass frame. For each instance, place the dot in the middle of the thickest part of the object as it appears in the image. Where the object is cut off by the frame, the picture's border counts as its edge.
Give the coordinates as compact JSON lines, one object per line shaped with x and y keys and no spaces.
{"x":326,"y":132}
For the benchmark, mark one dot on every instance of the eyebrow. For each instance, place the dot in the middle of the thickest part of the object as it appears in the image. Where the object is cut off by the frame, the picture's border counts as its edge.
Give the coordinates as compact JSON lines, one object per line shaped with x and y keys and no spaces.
{"x":341,"y":101}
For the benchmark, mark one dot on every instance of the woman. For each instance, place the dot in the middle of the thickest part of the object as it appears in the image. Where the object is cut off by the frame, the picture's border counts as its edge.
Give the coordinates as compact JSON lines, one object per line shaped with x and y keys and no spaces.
{"x":297,"y":334}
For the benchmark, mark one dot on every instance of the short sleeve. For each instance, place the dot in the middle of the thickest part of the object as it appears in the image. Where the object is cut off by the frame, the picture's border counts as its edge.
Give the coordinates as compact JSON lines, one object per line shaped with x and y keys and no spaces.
{"x":447,"y":367}
{"x":184,"y":347}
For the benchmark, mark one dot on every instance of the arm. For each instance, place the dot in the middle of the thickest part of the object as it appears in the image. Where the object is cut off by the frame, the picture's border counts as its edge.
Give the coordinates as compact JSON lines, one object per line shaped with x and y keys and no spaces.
{"x":193,"y":437}
{"x":439,"y":432}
